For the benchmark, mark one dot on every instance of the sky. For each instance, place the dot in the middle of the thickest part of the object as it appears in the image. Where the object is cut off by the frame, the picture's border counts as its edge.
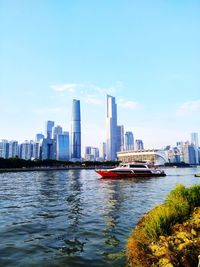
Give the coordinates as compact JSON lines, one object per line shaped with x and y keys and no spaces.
{"x":144,"y":53}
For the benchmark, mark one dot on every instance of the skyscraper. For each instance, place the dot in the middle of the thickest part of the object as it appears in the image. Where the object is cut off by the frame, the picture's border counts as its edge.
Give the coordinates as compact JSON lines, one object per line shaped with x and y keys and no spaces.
{"x":195,"y":143}
{"x":39,"y":137}
{"x":76,"y":130}
{"x":129,"y":141}
{"x":13,"y":149}
{"x":49,"y":129}
{"x":111,"y":128}
{"x":62,"y":146}
{"x":56,"y":131}
{"x":120,"y":138}
{"x":4,"y":149}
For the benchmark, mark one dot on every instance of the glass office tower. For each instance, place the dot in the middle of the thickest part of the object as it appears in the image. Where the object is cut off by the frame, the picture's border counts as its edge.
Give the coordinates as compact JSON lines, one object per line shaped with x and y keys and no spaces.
{"x":49,"y":129}
{"x":111,"y":128}
{"x":76,"y":131}
{"x":62,"y":146}
{"x":129,"y":141}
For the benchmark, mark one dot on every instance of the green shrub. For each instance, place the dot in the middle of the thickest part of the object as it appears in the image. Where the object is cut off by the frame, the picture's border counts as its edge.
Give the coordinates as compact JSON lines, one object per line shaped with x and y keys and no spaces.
{"x":177,"y":207}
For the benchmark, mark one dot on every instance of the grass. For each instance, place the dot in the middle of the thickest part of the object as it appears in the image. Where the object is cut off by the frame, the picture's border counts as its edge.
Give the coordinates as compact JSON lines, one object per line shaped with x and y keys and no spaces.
{"x":177,"y":208}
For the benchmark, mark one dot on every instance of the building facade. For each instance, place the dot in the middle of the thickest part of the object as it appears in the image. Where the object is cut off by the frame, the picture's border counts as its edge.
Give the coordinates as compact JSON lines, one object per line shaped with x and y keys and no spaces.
{"x":62,"y":146}
{"x":129,"y":141}
{"x":4,"y":148}
{"x":120,"y":138}
{"x":102,"y":151}
{"x":49,"y":129}
{"x":13,"y":149}
{"x":111,"y":128}
{"x":75,"y":139}
{"x":56,"y":131}
{"x":195,"y":143}
{"x":139,"y":144}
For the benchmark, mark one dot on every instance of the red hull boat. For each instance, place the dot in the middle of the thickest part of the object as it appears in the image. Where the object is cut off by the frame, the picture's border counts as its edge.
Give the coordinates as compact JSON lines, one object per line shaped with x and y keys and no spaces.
{"x":129,"y":170}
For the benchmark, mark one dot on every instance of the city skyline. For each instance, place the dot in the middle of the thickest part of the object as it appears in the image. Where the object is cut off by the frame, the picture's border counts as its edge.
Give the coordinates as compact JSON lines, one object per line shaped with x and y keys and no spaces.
{"x":144,"y":54}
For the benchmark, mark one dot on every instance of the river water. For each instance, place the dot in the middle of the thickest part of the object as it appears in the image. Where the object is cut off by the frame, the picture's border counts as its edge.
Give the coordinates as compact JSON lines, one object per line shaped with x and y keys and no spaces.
{"x":73,"y":218}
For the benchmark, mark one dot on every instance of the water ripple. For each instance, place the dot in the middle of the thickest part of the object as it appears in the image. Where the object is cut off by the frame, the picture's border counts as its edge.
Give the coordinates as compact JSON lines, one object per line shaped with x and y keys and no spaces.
{"x":73,"y":218}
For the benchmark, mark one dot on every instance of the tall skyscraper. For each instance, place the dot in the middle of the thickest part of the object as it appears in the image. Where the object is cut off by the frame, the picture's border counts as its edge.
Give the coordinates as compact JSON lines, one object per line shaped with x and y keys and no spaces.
{"x":194,"y":139}
{"x":129,"y":141}
{"x":111,"y":128}
{"x":76,"y":131}
{"x":195,"y":143}
{"x":49,"y":129}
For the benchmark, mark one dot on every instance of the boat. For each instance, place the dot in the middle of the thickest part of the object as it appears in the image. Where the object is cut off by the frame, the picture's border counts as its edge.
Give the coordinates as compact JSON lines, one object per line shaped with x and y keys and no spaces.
{"x":133,"y":169}
{"x":197,"y":175}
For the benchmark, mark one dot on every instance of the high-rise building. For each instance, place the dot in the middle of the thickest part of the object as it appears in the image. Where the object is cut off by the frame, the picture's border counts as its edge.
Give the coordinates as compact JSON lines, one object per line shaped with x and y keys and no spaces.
{"x":49,"y":129}
{"x":36,"y":150}
{"x":195,"y":143}
{"x":39,"y":137}
{"x":48,"y":149}
{"x":76,"y":131}
{"x":189,"y":153}
{"x":62,"y":146}
{"x":129,"y":141}
{"x":56,"y":131}
{"x":25,"y":150}
{"x":111,"y":128}
{"x":13,"y":149}
{"x":4,"y":147}
{"x":102,"y":151}
{"x":194,"y":139}
{"x":120,"y":138}
{"x":139,"y":145}
{"x":91,"y":153}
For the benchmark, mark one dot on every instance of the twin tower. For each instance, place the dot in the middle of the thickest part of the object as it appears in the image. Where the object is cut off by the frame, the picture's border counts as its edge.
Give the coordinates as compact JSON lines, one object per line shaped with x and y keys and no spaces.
{"x":111,"y":129}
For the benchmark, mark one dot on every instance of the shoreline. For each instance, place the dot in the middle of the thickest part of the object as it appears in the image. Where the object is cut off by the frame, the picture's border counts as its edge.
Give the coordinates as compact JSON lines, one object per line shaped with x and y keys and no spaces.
{"x":44,"y":169}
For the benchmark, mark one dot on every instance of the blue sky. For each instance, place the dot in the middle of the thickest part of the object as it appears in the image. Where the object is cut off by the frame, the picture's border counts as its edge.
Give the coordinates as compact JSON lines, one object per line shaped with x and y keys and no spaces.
{"x":145,"y":53}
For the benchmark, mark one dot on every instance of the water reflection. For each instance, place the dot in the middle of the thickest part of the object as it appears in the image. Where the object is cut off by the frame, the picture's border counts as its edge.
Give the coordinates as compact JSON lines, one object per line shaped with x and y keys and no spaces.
{"x":73,"y":218}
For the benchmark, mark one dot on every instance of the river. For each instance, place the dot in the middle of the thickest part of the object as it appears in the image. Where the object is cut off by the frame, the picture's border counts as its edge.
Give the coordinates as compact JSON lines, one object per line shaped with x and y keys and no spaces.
{"x":73,"y":218}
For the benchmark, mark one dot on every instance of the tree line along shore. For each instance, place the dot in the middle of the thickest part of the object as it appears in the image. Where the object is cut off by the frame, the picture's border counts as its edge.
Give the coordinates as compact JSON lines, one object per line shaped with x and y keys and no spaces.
{"x":17,"y":163}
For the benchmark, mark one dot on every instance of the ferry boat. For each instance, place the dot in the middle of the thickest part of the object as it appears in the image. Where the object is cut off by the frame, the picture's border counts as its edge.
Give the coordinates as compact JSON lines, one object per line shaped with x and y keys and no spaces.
{"x":129,"y":170}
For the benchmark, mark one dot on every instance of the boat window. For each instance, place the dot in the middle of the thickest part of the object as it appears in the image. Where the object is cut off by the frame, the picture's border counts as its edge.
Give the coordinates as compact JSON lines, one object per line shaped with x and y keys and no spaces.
{"x":142,"y":171}
{"x":137,"y":166}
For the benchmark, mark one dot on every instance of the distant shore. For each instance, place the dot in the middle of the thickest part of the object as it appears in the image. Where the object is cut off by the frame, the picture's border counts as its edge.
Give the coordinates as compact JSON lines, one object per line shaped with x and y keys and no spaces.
{"x":45,"y":169}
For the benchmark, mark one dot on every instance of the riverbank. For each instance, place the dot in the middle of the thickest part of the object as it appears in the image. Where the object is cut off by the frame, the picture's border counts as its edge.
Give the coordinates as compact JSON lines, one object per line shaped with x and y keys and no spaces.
{"x":44,"y":169}
{"x":168,"y":235}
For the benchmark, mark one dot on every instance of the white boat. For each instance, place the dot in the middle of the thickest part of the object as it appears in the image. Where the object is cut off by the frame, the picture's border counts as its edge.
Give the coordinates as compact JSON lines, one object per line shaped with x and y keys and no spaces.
{"x":133,"y":169}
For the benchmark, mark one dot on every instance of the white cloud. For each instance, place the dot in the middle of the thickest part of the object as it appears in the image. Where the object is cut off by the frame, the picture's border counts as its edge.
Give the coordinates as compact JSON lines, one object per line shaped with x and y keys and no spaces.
{"x":48,"y":110}
{"x":189,"y":108}
{"x":127,"y":104}
{"x":86,"y":88}
{"x":70,"y":87}
{"x":92,"y":99}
